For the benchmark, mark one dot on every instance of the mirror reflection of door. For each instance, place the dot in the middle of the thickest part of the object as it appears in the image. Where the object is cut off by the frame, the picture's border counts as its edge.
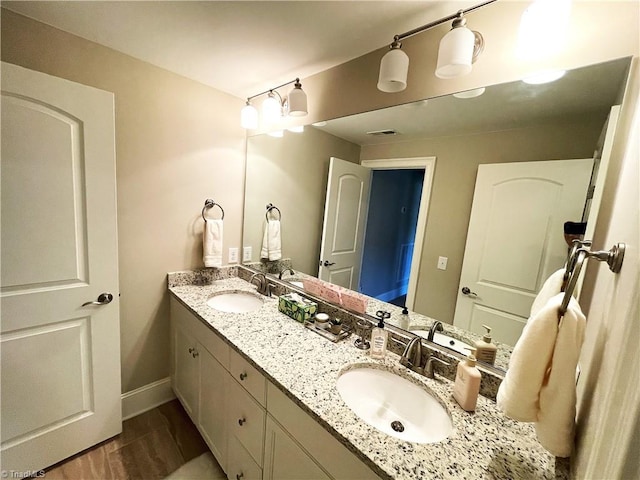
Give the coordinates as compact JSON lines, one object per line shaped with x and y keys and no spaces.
{"x":345,"y":214}
{"x":515,"y":240}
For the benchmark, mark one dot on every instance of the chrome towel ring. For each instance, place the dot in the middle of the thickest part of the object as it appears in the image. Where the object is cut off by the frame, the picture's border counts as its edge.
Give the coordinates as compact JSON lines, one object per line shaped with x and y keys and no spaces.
{"x":270,"y":207}
{"x":208,"y":203}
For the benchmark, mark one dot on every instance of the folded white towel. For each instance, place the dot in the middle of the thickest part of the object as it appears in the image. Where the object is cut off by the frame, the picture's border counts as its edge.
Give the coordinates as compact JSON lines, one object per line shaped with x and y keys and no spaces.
{"x":212,"y":243}
{"x":539,"y":385}
{"x":271,"y":241}
{"x":550,"y":288}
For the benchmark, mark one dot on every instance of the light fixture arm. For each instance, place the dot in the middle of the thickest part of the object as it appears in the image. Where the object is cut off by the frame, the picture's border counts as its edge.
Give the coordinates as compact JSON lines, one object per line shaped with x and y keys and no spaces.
{"x":427,"y":26}
{"x":274,"y":89}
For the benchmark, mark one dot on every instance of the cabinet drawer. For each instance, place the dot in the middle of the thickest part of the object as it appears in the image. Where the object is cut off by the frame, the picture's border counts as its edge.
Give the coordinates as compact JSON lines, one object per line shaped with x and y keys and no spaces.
{"x":246,"y":420}
{"x":247,"y":375}
{"x":240,"y":465}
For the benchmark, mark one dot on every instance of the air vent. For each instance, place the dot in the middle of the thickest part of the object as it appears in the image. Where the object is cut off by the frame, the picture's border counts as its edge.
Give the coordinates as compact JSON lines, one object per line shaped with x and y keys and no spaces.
{"x":382,"y":133}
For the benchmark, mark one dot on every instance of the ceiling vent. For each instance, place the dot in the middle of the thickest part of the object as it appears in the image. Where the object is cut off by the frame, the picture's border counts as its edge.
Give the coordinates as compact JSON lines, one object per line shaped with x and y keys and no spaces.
{"x":382,"y":133}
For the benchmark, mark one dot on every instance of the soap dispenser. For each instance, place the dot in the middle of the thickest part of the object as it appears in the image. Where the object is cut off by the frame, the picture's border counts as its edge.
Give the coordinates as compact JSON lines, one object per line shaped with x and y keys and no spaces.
{"x":467,"y":383}
{"x":485,"y":350}
{"x":379,"y":337}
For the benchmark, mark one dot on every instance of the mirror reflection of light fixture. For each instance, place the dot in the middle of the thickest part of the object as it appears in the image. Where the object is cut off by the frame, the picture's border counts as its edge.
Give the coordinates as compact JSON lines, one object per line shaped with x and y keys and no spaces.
{"x":274,"y":106}
{"x":457,"y":51}
{"x":547,"y":76}
{"x":476,"y":92}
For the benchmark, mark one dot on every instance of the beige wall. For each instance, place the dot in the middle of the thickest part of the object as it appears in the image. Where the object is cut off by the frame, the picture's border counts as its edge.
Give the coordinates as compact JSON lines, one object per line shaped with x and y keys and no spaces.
{"x":457,"y":160}
{"x":175,"y":147}
{"x":291,"y":173}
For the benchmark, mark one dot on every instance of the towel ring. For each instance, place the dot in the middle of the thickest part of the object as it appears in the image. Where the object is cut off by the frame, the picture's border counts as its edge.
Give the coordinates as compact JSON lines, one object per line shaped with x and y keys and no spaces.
{"x":208,"y":203}
{"x":271,"y":206}
{"x":614,"y":258}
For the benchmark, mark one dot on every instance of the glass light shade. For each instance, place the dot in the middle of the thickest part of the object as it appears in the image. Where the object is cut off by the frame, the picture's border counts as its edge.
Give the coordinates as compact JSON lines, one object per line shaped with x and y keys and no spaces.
{"x":455,"y":54}
{"x":547,"y":76}
{"x":543,"y":29}
{"x":271,"y":109}
{"x":394,"y":68}
{"x":476,"y":92}
{"x":249,"y":117}
{"x":297,"y":102}
{"x":296,"y":129}
{"x":276,"y":133}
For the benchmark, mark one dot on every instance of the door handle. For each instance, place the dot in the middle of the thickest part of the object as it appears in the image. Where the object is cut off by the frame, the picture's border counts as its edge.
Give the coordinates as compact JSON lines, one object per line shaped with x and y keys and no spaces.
{"x":103,"y":299}
{"x":466,"y":291}
{"x":327,"y":263}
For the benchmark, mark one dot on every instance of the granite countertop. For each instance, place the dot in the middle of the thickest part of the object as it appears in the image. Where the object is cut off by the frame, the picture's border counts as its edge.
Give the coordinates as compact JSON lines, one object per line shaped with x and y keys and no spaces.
{"x":305,"y":366}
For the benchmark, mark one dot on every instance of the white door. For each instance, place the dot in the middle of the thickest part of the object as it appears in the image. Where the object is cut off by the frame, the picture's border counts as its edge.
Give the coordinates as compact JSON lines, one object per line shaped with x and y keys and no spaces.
{"x":345,"y":214}
{"x":60,"y":371}
{"x":515,"y":240}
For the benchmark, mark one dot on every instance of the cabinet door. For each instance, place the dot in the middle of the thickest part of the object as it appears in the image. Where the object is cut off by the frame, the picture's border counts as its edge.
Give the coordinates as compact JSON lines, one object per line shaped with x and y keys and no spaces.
{"x":212,"y":421}
{"x":284,"y":459}
{"x":186,"y":369}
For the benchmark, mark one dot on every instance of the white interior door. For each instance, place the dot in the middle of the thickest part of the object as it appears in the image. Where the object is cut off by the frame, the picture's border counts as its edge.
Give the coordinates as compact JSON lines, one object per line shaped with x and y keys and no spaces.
{"x":60,"y":369}
{"x":345,"y":214}
{"x":515,"y":240}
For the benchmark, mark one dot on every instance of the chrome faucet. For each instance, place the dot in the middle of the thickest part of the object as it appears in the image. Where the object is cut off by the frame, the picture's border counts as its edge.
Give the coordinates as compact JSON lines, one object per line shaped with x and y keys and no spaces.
{"x":290,"y":270}
{"x":412,"y":355}
{"x":264,"y":288}
{"x":435,"y":327}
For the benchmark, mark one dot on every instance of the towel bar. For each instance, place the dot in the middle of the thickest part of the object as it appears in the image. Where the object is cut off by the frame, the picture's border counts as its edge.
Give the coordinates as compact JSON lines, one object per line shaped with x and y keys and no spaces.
{"x":208,"y":203}
{"x":614,"y":258}
{"x":271,"y":206}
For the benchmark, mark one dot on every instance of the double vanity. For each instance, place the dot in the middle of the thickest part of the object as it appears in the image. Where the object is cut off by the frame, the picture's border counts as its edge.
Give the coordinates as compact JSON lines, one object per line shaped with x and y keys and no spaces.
{"x":274,"y":400}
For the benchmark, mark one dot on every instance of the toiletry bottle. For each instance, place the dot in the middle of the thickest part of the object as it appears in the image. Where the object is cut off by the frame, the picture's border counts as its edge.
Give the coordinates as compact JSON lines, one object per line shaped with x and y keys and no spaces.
{"x":379,"y":337}
{"x":485,"y":350}
{"x":467,"y":384}
{"x":403,"y":321}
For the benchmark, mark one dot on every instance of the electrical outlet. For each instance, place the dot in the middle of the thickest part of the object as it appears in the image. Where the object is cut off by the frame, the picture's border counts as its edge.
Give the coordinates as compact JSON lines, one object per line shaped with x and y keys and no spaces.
{"x":442,"y":263}
{"x":246,"y":254}
{"x":233,"y":255}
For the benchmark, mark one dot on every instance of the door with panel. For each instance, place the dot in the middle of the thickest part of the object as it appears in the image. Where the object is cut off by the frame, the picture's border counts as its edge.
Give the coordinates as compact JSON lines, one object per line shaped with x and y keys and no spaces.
{"x":60,"y":334}
{"x":515,"y":240}
{"x":345,"y":215}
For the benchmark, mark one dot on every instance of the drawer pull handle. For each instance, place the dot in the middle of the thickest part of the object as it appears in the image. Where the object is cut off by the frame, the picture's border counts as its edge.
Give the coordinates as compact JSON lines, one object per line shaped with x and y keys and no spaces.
{"x":241,"y":421}
{"x":243,"y":376}
{"x":239,"y":476}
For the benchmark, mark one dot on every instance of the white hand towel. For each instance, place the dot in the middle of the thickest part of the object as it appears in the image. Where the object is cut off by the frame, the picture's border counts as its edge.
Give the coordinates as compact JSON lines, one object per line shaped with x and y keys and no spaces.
{"x":271,"y":241}
{"x":551,"y":287}
{"x":212,"y":243}
{"x":539,"y":385}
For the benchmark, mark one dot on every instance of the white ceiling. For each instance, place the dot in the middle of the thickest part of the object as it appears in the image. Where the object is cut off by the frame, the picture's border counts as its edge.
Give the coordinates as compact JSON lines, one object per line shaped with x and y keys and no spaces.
{"x":239,"y":47}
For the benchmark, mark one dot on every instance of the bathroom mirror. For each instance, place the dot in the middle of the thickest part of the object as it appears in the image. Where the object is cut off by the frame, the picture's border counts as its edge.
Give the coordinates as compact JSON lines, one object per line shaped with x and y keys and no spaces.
{"x":507,"y":123}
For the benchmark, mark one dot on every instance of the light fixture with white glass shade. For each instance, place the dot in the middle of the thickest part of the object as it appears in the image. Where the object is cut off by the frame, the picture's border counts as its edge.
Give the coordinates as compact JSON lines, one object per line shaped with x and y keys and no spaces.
{"x":274,"y":106}
{"x":457,"y":51}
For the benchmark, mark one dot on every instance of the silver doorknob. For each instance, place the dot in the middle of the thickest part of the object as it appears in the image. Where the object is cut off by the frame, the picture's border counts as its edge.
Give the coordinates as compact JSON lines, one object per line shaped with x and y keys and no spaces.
{"x":466,"y":291}
{"x":327,"y":263}
{"x":103,"y":299}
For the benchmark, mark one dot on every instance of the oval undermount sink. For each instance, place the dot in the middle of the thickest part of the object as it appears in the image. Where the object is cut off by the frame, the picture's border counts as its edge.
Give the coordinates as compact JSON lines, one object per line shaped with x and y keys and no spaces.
{"x":394,"y":405}
{"x":446,"y":341}
{"x":235,"y":302}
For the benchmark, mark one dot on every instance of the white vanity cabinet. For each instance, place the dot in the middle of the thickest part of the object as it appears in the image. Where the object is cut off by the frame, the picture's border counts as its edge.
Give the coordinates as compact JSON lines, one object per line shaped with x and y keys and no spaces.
{"x":254,"y":430}
{"x":199,"y":376}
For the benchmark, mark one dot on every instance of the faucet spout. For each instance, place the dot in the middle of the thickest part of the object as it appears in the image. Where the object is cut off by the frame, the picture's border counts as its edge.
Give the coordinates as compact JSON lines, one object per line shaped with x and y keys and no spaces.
{"x":284,"y":270}
{"x":412,"y":355}
{"x":435,"y":327}
{"x":263,"y":283}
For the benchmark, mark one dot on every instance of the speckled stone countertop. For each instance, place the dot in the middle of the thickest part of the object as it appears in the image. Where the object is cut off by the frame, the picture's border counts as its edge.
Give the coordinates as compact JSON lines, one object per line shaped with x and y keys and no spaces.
{"x":305,"y":366}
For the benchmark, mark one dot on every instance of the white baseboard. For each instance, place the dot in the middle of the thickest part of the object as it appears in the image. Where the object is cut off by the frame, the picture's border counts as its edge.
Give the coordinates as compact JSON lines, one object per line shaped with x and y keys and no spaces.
{"x":146,"y":397}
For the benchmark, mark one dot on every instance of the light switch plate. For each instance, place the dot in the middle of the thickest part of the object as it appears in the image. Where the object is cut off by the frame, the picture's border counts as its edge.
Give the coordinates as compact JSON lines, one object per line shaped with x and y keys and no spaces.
{"x":246,"y":254}
{"x":442,"y":263}
{"x":233,"y":255}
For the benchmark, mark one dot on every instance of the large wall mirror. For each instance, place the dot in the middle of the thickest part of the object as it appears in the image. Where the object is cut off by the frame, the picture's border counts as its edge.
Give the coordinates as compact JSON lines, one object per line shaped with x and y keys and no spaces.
{"x":436,"y":168}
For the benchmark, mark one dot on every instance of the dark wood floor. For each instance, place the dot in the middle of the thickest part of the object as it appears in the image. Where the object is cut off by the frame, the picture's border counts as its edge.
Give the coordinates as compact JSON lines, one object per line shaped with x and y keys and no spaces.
{"x":150,"y":447}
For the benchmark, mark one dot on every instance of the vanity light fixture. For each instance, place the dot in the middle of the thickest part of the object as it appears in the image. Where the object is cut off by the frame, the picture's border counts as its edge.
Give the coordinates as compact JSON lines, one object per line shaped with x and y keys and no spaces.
{"x":457,"y":51}
{"x":275,"y":106}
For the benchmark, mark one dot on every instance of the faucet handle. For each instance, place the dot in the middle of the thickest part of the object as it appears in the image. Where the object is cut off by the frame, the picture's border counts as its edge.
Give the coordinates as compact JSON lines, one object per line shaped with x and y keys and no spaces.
{"x":429,"y":370}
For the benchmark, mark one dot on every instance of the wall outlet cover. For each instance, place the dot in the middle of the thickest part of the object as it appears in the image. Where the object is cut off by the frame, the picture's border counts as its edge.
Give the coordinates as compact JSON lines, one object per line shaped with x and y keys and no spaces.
{"x":442,"y":263}
{"x":246,"y":254}
{"x":233,"y":255}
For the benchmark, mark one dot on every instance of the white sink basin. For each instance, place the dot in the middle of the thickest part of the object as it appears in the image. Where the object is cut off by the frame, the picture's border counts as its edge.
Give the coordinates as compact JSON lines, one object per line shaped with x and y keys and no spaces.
{"x":394,"y":405}
{"x":445,"y":341}
{"x":235,"y":302}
